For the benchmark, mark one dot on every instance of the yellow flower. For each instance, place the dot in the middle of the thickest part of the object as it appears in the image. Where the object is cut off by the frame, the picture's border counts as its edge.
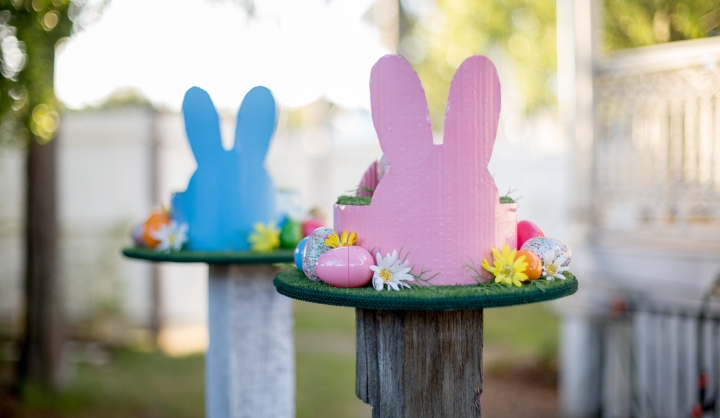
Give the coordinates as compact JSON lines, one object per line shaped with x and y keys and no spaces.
{"x":506,"y":268}
{"x":265,"y":238}
{"x":333,"y":241}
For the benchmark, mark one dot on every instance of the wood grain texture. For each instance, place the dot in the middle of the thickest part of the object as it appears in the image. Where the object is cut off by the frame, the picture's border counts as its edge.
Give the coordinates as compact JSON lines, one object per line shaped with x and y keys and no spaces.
{"x":420,"y":363}
{"x":250,"y":363}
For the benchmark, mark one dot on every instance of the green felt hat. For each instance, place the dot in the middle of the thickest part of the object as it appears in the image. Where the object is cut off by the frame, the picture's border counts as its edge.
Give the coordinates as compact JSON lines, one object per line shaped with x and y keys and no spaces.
{"x":294,"y":284}
{"x":210,"y":257}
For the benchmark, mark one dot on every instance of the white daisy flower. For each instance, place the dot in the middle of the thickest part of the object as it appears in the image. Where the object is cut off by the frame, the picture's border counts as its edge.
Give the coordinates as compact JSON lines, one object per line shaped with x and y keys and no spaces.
{"x":391,"y":272}
{"x":552,"y":267}
{"x":171,"y":236}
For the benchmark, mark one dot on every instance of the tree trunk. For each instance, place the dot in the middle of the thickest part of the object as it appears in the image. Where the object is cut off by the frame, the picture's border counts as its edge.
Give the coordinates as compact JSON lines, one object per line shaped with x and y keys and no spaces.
{"x":40,"y":362}
{"x":419,"y":364}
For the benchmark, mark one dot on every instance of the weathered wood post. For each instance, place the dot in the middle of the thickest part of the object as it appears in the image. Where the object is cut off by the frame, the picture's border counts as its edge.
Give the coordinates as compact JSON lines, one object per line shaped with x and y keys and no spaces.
{"x":419,"y":363}
{"x":419,"y":351}
{"x":250,"y":362}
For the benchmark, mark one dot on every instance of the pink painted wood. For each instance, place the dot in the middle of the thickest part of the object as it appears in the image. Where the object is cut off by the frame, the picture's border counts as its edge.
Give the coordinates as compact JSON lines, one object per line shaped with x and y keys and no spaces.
{"x":437,"y":202}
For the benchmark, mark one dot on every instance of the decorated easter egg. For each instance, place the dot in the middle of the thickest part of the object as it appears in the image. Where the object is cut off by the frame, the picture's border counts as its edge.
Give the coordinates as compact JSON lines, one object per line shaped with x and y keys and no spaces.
{"x":345,"y":267}
{"x":138,"y":235}
{"x":527,"y":230}
{"x":310,"y":225}
{"x":152,"y":225}
{"x":314,"y":248}
{"x":548,"y":247}
{"x":290,"y":234}
{"x":299,"y":249}
{"x":534,"y":265}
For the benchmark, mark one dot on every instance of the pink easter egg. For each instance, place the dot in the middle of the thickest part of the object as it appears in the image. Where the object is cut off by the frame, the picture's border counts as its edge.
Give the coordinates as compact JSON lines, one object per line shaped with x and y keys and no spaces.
{"x":310,"y":225}
{"x":527,"y":230}
{"x":345,"y":267}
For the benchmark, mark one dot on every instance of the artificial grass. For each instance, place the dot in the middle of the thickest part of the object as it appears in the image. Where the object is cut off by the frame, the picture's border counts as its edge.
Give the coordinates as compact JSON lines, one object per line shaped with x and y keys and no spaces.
{"x":211,"y":257}
{"x":365,"y":200}
{"x":354,"y":200}
{"x":294,"y":284}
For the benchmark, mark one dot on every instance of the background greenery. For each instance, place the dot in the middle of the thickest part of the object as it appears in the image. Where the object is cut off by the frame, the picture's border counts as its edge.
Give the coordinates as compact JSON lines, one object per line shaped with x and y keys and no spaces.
{"x":143,"y":384}
{"x":523,"y":33}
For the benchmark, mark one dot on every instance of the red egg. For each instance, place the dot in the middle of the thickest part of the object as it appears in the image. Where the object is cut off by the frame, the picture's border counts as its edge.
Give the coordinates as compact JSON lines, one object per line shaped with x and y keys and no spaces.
{"x":345,"y":267}
{"x":527,"y":230}
{"x":310,"y":225}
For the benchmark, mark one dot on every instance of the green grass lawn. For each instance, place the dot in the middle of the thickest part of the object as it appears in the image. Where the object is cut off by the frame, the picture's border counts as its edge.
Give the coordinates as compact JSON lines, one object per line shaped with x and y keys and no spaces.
{"x":151,"y":385}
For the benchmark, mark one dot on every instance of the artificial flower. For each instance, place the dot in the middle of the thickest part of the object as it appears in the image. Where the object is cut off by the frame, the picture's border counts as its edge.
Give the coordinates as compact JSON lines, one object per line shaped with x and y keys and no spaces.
{"x":333,"y":241}
{"x":506,"y":268}
{"x":171,"y":236}
{"x":391,"y":272}
{"x":265,"y":238}
{"x":552,"y":266}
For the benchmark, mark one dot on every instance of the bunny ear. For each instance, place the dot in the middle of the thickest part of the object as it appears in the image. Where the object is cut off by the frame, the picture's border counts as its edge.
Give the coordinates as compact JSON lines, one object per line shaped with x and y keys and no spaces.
{"x":256,"y":122}
{"x":473,"y":111}
{"x":400,"y":111}
{"x":202,"y":125}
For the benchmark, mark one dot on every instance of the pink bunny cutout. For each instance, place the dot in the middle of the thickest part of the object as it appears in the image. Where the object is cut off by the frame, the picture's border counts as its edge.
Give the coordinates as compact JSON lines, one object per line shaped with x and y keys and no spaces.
{"x":437,"y":202}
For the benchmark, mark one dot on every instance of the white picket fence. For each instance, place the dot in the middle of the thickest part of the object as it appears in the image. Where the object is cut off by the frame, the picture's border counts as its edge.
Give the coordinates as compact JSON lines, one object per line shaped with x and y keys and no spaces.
{"x":645,"y":124}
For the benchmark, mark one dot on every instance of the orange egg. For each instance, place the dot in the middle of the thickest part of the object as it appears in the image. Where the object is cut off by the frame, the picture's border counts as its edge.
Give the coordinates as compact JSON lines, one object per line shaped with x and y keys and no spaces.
{"x":534,"y":265}
{"x":153,"y":223}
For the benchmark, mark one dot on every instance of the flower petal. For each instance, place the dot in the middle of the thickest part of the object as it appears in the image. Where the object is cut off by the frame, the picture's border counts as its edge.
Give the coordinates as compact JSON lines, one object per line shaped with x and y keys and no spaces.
{"x":393,"y":258}
{"x":377,"y":283}
{"x":548,"y":257}
{"x":506,"y":252}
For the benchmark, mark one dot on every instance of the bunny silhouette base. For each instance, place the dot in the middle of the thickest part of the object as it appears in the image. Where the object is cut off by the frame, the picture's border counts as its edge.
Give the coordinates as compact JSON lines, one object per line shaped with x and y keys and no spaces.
{"x":438,"y":203}
{"x":230,"y":191}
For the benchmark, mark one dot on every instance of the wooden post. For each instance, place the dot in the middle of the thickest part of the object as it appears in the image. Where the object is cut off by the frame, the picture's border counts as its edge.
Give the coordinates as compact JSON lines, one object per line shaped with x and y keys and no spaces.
{"x":420,"y":363}
{"x":250,"y":363}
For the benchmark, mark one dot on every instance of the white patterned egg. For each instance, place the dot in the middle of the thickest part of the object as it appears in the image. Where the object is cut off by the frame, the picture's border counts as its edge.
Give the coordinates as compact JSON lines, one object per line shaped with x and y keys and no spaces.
{"x":543,"y":246}
{"x":314,"y":248}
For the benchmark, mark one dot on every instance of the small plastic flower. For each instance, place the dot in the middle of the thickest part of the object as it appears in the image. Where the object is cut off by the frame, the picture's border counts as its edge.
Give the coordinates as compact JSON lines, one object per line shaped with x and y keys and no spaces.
{"x":506,"y":268}
{"x":391,"y":272}
{"x":171,"y":236}
{"x":265,"y":238}
{"x":552,"y":266}
{"x":333,"y":241}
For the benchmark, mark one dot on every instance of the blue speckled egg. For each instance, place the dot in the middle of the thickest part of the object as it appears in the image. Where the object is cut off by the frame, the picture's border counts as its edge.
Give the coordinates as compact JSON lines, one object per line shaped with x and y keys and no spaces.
{"x":314,"y":248}
{"x":299,"y":249}
{"x":551,"y":246}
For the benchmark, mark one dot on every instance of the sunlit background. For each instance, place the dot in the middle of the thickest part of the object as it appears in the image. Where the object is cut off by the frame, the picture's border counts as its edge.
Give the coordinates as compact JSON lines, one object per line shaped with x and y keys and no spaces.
{"x":609,"y":140}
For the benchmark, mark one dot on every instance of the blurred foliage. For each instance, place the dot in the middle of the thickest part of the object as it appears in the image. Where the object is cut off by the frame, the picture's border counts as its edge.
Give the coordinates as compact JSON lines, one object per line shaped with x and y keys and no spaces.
{"x":636,"y":23}
{"x":125,"y":97}
{"x":30,"y":30}
{"x":523,"y":31}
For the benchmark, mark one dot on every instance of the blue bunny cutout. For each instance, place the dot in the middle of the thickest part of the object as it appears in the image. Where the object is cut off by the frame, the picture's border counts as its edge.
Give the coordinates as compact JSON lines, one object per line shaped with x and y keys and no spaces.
{"x":230,"y":191}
